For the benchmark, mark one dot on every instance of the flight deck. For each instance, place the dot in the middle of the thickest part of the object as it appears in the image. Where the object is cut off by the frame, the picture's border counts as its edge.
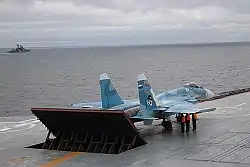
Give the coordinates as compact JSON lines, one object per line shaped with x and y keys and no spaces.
{"x":222,"y":139}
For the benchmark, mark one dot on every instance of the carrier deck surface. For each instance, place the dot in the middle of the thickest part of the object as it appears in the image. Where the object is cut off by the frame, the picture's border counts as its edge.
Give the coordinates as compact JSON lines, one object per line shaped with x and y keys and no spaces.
{"x":222,"y":139}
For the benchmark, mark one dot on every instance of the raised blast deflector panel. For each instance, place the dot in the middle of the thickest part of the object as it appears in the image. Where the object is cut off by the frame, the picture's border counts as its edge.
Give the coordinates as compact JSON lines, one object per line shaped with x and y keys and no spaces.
{"x":88,"y":130}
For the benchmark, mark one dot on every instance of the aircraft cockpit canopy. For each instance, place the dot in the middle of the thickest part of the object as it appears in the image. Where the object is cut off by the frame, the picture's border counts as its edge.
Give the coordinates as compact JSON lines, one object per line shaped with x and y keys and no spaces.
{"x":193,"y":85}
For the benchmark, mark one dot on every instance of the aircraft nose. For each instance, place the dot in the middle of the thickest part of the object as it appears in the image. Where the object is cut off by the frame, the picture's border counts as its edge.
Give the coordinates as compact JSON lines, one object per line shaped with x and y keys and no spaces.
{"x":210,"y":94}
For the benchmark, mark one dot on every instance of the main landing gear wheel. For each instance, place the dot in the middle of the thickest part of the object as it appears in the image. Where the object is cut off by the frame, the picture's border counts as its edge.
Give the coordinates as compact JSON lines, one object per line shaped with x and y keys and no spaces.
{"x":167,"y":125}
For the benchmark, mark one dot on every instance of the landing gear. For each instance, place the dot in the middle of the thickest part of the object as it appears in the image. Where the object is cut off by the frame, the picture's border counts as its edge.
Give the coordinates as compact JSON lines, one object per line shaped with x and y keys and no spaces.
{"x":167,"y":124}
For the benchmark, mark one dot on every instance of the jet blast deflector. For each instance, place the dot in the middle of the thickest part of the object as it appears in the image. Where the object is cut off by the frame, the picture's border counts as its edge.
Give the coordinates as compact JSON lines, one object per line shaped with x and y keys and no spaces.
{"x":88,"y":130}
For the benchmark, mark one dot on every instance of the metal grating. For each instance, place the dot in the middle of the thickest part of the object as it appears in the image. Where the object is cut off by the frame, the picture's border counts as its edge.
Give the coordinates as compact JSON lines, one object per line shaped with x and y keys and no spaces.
{"x":86,"y":130}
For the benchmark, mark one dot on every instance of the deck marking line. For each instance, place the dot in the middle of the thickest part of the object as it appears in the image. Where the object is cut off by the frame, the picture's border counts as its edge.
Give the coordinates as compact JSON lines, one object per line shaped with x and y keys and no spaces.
{"x":28,"y":120}
{"x":59,"y":160}
{"x":4,"y":129}
{"x":19,"y":125}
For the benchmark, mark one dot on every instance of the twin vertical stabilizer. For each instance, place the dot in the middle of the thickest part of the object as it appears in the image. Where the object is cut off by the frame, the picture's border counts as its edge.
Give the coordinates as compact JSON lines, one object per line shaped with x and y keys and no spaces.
{"x":109,"y":95}
{"x":146,"y":95}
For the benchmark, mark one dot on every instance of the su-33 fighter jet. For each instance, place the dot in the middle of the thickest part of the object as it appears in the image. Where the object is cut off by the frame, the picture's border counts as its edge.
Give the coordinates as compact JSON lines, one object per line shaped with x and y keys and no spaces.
{"x":174,"y":102}
{"x":149,"y":106}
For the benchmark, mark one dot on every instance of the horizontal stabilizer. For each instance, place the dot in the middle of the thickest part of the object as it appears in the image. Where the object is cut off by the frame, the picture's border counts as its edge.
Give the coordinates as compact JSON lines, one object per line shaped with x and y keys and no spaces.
{"x":146,"y":120}
{"x":143,"y":117}
{"x":87,"y":105}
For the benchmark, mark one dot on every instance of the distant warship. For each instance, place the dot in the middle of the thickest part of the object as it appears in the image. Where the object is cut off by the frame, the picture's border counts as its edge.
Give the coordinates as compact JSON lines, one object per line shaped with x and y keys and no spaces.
{"x":19,"y":49}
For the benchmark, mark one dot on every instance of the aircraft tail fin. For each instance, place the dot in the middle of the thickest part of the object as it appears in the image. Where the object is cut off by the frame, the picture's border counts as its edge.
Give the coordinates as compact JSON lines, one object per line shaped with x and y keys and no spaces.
{"x":148,"y":101}
{"x":109,"y":95}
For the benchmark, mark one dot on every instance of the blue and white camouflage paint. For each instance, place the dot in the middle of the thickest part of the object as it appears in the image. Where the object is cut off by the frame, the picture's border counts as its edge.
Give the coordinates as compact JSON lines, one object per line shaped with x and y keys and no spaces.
{"x":148,"y":106}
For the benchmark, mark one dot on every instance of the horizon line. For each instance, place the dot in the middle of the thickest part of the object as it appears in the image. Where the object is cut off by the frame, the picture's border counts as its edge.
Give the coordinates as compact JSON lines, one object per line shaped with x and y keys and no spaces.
{"x":133,"y":45}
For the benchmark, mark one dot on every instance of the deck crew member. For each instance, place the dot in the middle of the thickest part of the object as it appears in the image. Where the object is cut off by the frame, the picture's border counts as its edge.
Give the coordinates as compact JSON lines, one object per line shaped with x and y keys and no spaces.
{"x":178,"y":117}
{"x":183,"y":120}
{"x":187,"y":122}
{"x":194,"y":118}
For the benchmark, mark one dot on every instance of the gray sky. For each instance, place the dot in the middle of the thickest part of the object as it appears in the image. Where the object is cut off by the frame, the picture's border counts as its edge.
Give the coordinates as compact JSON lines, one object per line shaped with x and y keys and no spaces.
{"x":109,"y":22}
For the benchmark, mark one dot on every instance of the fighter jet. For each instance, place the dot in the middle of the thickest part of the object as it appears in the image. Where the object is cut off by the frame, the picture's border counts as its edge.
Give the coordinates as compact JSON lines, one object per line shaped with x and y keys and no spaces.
{"x":164,"y":105}
{"x":149,"y":107}
{"x":110,"y":98}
